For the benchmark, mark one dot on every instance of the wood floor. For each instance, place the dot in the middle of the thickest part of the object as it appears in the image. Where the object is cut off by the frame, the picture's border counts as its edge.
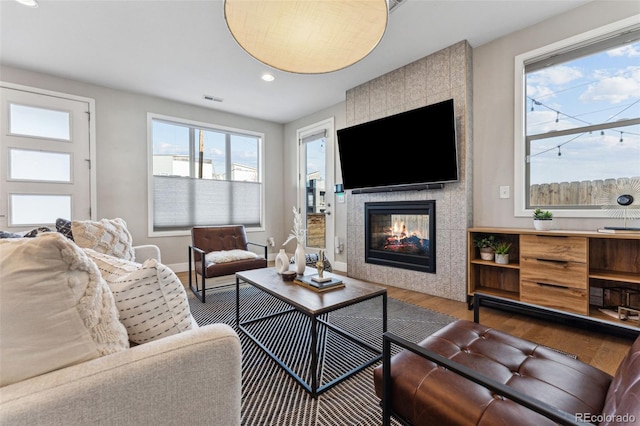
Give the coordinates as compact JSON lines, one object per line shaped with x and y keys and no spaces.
{"x":602,"y":351}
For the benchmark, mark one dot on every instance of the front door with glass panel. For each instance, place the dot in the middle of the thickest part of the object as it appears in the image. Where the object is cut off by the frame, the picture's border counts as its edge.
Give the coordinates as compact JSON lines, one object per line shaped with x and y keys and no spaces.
{"x":316,"y":185}
{"x":44,"y":159}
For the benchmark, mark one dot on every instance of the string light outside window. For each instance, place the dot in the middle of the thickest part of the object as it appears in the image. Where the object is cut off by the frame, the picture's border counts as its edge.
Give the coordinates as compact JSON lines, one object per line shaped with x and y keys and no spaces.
{"x":582,"y":121}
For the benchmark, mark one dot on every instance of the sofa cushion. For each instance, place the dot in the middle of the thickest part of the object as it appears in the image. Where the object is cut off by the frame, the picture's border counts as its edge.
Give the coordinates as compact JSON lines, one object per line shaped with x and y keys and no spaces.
{"x":150,"y":297}
{"x":63,"y":226}
{"x":55,"y":308}
{"x":108,"y":236}
{"x":223,"y":256}
{"x":622,"y":404}
{"x":423,"y":393}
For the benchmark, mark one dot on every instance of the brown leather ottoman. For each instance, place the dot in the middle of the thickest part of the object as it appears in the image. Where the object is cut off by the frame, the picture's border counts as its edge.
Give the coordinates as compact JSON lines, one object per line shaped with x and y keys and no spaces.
{"x":424,"y":394}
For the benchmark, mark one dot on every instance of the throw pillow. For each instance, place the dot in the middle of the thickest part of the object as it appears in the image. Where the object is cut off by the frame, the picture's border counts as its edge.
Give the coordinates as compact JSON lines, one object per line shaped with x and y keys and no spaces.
{"x":223,"y":256}
{"x":63,"y":226}
{"x":150,"y":297}
{"x":55,"y":308}
{"x":108,"y":236}
{"x":311,"y":259}
{"x":35,"y":232}
{"x":5,"y":234}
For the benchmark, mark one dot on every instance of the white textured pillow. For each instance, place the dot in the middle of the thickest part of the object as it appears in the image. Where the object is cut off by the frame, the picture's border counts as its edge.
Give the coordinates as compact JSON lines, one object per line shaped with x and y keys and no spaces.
{"x":150,"y":297}
{"x":108,"y":236}
{"x":55,"y":308}
{"x":223,"y":256}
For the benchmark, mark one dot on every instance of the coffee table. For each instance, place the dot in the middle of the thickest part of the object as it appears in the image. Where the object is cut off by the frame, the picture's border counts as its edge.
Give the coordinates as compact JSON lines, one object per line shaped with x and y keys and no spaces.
{"x":313,"y":305}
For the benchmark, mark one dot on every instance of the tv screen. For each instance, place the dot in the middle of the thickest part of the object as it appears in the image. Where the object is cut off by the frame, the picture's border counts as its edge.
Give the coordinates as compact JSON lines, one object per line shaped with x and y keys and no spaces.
{"x":406,"y":149}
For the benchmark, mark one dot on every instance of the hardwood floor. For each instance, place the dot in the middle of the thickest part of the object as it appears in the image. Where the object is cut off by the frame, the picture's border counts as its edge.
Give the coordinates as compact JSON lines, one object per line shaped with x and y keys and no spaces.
{"x":602,"y":351}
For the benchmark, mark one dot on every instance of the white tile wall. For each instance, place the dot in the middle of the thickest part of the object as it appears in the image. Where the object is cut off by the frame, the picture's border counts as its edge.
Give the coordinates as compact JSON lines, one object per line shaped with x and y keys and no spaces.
{"x":443,"y":75}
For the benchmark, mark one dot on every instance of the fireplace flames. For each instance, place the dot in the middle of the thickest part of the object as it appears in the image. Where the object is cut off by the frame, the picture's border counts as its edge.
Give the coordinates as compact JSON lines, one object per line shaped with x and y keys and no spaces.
{"x":399,"y":239}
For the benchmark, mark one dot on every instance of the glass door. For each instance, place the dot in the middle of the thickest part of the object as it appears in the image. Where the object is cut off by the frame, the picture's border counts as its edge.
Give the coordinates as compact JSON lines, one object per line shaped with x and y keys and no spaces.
{"x":316,"y":185}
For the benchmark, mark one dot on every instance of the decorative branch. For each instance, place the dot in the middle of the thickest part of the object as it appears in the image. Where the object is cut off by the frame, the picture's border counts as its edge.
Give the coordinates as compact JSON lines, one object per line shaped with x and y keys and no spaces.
{"x":298,"y":232}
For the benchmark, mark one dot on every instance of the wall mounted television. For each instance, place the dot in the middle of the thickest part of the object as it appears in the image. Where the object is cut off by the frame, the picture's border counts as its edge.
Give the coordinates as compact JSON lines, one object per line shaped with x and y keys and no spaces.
{"x":412,"y":150}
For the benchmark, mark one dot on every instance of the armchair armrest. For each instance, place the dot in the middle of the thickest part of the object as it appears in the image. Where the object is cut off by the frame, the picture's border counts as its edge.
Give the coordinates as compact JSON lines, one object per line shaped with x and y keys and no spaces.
{"x":514,"y":395}
{"x":147,"y":251}
{"x":259,"y":245}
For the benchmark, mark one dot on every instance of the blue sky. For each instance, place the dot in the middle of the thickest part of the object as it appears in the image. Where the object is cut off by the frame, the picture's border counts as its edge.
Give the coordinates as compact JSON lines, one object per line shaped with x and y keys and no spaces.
{"x":601,"y":88}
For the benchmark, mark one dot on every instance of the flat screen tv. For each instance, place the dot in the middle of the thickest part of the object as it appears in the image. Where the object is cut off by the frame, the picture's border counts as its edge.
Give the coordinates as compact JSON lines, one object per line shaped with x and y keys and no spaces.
{"x":405,"y":151}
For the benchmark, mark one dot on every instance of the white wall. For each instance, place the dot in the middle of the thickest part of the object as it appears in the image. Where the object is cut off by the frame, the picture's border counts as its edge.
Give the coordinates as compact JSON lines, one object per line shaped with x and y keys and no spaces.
{"x":121,"y":127}
{"x":493,"y":109}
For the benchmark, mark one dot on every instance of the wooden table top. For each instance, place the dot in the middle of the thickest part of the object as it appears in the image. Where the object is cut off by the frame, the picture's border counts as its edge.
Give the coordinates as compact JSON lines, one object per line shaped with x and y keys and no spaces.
{"x":307,"y":300}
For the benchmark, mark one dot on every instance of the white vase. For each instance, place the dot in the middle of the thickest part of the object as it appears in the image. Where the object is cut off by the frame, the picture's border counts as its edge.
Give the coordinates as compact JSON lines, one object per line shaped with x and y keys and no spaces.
{"x":301,"y":262}
{"x":282,"y":262}
{"x":542,"y":225}
{"x":502,"y":259}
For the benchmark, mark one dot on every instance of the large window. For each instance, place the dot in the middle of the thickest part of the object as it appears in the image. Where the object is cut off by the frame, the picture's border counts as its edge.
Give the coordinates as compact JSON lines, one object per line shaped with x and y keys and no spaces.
{"x":581,"y":129}
{"x":202,"y":175}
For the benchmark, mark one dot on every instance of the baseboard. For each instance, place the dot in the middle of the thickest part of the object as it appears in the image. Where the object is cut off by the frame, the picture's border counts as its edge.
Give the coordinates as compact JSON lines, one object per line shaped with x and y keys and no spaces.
{"x":339,"y":266}
{"x":179,"y":267}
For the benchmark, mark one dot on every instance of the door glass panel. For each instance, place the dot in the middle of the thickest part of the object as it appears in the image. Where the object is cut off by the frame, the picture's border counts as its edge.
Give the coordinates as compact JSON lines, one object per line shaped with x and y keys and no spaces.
{"x":315,"y":194}
{"x":39,"y":122}
{"x":34,"y":209}
{"x":39,"y":165}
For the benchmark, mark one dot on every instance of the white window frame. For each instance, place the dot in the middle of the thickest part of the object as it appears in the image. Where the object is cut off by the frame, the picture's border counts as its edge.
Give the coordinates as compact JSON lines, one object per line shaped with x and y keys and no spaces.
{"x":519,"y":158}
{"x":153,"y":116}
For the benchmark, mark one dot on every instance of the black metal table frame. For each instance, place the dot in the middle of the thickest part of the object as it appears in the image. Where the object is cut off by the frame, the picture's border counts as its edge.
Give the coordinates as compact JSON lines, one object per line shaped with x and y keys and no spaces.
{"x":314,"y":388}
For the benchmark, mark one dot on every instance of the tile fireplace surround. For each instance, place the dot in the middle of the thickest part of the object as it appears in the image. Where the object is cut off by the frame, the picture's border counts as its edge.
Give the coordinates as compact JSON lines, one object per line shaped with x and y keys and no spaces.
{"x":443,"y":75}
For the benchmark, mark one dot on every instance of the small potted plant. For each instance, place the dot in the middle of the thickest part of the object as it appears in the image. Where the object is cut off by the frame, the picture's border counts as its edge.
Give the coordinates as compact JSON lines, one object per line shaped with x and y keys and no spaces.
{"x":485,"y":244}
{"x":501,"y":249}
{"x":542,"y":219}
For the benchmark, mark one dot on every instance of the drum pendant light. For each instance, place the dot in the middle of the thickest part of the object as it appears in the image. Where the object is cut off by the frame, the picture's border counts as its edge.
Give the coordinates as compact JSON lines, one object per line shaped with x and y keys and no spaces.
{"x":307,"y":36}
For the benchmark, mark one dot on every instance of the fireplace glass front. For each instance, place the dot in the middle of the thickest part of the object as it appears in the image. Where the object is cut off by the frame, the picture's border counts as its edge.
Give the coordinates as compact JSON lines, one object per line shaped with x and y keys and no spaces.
{"x":401,"y":234}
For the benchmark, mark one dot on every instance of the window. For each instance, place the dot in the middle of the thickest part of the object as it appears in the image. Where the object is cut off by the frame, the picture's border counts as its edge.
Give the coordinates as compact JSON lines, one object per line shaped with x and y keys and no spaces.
{"x":581,"y":129}
{"x":202,"y":175}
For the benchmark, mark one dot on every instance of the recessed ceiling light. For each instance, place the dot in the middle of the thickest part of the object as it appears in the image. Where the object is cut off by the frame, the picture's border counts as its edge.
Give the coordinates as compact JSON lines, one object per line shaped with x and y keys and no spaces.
{"x":30,"y":3}
{"x":268,"y":77}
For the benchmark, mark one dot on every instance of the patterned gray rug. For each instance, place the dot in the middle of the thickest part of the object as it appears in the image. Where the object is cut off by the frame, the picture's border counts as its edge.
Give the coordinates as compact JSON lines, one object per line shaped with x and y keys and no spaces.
{"x":271,"y":397}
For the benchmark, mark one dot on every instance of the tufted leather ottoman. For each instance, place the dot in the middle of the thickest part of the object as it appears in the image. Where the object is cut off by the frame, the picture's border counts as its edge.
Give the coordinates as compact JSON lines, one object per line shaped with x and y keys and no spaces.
{"x":424,"y":394}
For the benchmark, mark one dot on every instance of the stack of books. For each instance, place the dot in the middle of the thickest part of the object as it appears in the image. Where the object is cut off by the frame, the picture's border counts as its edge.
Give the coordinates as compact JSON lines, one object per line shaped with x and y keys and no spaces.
{"x":614,"y":230}
{"x":315,"y":283}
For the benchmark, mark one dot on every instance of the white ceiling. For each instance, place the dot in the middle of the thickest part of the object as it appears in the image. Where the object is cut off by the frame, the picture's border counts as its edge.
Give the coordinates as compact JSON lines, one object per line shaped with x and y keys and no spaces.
{"x":182,"y":50}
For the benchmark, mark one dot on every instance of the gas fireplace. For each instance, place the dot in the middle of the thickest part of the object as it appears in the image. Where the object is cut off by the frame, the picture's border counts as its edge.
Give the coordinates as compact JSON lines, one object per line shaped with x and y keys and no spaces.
{"x":401,"y":234}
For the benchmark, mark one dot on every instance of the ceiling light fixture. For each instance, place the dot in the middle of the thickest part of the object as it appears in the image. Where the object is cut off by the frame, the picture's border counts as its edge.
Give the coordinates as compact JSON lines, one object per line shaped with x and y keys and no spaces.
{"x":307,"y":36}
{"x":30,"y":3}
{"x":268,"y":77}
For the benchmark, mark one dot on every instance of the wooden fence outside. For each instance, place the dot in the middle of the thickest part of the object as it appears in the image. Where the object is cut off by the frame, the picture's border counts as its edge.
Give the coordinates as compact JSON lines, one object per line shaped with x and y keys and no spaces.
{"x":583,"y":193}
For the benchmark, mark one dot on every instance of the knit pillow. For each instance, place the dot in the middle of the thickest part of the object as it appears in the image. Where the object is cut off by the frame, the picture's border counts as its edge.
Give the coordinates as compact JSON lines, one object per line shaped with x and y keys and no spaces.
{"x":55,"y":308}
{"x":108,"y":236}
{"x":150,"y":297}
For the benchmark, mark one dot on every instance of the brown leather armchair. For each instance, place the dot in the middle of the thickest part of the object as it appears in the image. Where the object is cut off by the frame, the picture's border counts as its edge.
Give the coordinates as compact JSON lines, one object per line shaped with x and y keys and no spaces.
{"x":470,"y":374}
{"x":219,"y":239}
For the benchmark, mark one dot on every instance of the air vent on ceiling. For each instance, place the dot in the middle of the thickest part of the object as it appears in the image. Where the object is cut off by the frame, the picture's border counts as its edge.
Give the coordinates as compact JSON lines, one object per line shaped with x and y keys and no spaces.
{"x":394,"y":4}
{"x":212,"y":98}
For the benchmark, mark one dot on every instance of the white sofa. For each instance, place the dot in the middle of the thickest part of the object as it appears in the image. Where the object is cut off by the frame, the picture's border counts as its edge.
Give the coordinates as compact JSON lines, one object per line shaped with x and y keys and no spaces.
{"x":189,"y":378}
{"x":92,"y":339}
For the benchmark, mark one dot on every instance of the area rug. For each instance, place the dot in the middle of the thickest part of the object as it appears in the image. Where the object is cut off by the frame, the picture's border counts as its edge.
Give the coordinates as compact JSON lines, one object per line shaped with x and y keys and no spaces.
{"x":271,"y":397}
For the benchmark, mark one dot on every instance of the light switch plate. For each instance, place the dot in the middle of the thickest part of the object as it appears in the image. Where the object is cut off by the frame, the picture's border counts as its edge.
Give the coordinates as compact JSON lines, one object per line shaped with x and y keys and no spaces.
{"x":504,"y":192}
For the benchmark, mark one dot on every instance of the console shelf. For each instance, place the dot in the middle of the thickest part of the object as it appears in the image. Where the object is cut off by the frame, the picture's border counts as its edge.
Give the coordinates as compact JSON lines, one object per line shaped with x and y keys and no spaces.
{"x":564,"y":270}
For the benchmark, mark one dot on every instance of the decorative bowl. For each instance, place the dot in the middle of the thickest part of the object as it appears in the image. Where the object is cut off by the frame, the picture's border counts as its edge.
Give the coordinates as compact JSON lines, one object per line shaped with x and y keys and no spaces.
{"x":288,"y":275}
